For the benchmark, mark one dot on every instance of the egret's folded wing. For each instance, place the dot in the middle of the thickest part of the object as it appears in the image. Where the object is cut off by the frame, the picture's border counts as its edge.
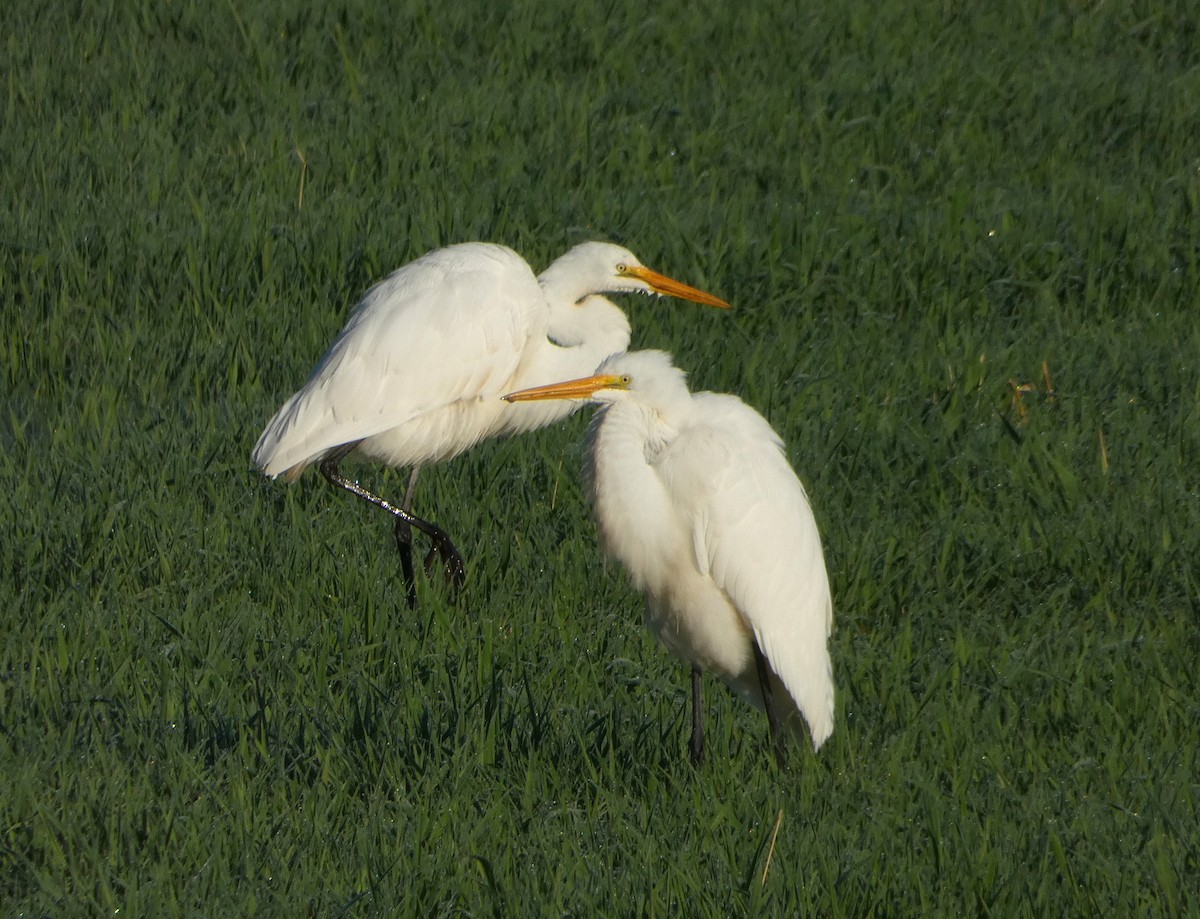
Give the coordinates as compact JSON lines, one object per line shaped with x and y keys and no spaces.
{"x":437,"y":331}
{"x":755,"y":535}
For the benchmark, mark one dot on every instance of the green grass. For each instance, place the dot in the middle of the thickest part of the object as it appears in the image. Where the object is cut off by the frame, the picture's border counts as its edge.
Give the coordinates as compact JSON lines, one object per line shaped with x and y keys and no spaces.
{"x":212,"y":697}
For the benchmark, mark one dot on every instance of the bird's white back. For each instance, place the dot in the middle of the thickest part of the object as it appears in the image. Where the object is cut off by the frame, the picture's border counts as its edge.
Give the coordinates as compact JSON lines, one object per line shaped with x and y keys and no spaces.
{"x":456,"y":321}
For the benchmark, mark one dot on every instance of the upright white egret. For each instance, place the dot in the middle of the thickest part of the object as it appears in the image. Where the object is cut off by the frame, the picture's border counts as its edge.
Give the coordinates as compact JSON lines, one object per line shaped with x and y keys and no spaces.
{"x":416,"y":375}
{"x":694,"y":496}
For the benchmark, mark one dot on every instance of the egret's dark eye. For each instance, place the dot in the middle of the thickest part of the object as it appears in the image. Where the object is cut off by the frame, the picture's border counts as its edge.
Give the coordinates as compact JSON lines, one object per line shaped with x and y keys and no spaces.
{"x":622,"y":268}
{"x":626,"y":379}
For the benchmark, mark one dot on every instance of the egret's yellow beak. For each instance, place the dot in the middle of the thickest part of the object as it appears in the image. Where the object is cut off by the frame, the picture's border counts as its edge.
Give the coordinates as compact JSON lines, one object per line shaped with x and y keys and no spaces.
{"x":571,"y":389}
{"x":669,"y":287}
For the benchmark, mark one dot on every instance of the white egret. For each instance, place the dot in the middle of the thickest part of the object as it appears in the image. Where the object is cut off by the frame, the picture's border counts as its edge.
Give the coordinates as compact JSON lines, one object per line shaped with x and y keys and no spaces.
{"x":692,"y":493}
{"x":416,"y":375}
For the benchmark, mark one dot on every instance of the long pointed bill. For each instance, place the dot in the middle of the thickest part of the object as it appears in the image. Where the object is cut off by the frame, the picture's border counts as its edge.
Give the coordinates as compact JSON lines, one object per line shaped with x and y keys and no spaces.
{"x":571,"y":389}
{"x":669,"y":287}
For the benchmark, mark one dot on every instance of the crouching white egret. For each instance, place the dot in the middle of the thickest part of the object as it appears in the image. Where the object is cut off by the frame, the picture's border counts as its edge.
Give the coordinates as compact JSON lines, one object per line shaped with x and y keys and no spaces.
{"x":416,"y":375}
{"x":692,"y":493}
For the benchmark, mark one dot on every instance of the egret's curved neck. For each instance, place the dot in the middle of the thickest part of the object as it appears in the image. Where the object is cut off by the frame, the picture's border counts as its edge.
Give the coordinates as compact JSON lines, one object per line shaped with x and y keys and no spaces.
{"x":637,"y":522}
{"x":593,"y":320}
{"x":579,"y":338}
{"x":583,"y":335}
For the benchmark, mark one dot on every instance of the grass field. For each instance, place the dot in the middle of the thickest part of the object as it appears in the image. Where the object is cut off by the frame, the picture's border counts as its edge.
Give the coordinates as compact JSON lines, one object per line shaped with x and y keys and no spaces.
{"x":213,"y":700}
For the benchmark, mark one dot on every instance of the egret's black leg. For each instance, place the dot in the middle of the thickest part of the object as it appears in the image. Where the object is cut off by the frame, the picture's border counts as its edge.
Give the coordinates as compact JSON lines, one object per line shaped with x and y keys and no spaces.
{"x":404,"y":541}
{"x":764,"y":683}
{"x":442,"y":546}
{"x":696,"y":744}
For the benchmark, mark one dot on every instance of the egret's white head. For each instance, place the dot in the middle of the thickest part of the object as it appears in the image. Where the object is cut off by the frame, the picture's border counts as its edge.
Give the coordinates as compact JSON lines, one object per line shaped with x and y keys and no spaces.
{"x":647,"y":376}
{"x":595,"y":268}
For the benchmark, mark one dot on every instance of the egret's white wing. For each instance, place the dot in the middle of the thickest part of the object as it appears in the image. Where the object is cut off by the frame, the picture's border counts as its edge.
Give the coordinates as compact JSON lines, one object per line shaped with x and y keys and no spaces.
{"x":451,"y":326}
{"x":755,"y":536}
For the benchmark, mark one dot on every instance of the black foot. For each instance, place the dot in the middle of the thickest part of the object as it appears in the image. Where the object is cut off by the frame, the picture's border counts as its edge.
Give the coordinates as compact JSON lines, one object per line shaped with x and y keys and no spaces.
{"x":452,"y":563}
{"x":442,"y":547}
